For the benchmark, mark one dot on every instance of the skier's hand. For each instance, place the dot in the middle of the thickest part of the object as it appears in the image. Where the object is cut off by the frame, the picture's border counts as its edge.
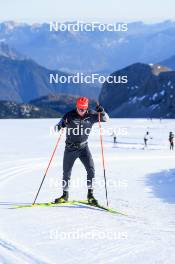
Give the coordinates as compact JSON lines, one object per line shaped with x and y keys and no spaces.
{"x":57,"y":128}
{"x":99,"y":108}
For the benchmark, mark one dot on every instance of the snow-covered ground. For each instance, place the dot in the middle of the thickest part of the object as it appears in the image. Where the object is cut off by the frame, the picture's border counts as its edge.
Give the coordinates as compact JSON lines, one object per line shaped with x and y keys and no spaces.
{"x":141,"y":183}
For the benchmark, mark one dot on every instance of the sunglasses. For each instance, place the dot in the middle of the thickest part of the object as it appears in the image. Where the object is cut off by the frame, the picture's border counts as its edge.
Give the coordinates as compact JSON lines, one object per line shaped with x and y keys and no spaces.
{"x":82,"y":110}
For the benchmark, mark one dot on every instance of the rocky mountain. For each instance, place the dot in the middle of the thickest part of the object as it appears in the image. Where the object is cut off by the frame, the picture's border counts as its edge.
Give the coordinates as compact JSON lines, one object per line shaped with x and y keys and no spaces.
{"x":9,"y":52}
{"x":60,"y":103}
{"x":10,"y":109}
{"x":25,"y":80}
{"x":50,"y":106}
{"x":149,"y":92}
{"x":95,"y":51}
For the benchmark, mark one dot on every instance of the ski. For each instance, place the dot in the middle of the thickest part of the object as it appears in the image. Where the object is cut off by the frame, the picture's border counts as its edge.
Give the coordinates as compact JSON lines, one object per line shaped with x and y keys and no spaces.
{"x":110,"y":210}
{"x":71,"y":203}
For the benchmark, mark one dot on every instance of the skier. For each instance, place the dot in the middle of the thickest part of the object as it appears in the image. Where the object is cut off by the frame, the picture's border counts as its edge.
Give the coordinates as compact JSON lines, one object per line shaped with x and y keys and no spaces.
{"x":114,"y":135}
{"x":82,"y":120}
{"x":146,"y":137}
{"x":171,"y":140}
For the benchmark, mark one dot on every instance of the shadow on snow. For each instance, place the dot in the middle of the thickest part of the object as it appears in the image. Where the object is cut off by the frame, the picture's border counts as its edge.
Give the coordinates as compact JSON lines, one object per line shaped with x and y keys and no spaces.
{"x":163,"y":185}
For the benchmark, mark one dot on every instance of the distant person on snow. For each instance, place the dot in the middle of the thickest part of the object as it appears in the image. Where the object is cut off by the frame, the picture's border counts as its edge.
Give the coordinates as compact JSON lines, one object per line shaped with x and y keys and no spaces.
{"x":114,"y":135}
{"x":171,"y":140}
{"x":146,"y":138}
{"x":82,"y":119}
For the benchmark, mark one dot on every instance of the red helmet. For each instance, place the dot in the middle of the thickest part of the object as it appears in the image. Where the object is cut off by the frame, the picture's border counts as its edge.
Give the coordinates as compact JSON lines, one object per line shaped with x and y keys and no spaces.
{"x":82,"y":103}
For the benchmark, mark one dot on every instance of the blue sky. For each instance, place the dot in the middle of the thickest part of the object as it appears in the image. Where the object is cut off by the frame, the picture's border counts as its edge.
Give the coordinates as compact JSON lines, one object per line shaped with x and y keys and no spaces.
{"x":87,"y":10}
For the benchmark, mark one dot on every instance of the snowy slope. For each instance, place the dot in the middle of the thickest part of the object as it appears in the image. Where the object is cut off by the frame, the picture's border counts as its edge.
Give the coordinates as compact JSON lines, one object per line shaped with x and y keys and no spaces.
{"x":141,"y":184}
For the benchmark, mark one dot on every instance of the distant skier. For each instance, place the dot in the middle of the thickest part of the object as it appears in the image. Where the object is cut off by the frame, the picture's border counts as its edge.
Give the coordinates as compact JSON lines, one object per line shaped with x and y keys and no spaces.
{"x":81,"y":119}
{"x":146,"y":138}
{"x":114,"y":135}
{"x":171,"y":140}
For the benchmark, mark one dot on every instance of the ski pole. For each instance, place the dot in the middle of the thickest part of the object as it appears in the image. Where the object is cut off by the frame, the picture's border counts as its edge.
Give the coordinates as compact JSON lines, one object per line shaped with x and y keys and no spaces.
{"x":103,"y":160}
{"x":59,"y":138}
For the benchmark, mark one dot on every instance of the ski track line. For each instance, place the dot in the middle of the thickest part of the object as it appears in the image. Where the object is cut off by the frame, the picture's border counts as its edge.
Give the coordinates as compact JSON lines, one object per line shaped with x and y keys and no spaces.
{"x":11,"y":175}
{"x":6,"y":170}
{"x":13,"y":171}
{"x":19,"y":255}
{"x":23,"y":161}
{"x":18,"y":171}
{"x":24,"y":165}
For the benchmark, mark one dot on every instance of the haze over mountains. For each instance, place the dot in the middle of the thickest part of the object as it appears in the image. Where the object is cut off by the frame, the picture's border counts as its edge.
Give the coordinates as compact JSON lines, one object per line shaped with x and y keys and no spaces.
{"x":91,"y":51}
{"x":22,"y":79}
{"x":29,"y":53}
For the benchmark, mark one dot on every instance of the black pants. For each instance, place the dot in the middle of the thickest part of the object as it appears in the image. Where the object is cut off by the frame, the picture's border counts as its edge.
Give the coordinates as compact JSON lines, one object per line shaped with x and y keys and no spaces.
{"x":171,"y":145}
{"x":70,"y":155}
{"x":145,"y":141}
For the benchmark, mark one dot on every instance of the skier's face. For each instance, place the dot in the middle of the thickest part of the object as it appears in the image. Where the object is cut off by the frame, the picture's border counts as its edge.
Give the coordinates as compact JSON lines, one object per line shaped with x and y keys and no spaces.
{"x":81,"y":112}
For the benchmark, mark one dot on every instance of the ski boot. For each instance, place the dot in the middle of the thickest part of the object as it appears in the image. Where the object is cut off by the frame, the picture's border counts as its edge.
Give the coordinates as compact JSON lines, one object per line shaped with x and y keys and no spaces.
{"x":91,"y":199}
{"x":63,"y":198}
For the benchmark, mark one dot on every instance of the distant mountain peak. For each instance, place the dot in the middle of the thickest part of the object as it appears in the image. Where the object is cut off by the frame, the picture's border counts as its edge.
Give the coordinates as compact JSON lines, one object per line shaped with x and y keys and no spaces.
{"x":8,"y":52}
{"x":157,"y":68}
{"x":149,"y":92}
{"x":91,"y":52}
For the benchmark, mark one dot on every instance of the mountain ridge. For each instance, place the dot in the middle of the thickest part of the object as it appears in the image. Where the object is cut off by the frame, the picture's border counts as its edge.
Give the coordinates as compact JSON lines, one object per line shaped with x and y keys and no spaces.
{"x":146,"y":94}
{"x":94,"y":51}
{"x":25,"y":80}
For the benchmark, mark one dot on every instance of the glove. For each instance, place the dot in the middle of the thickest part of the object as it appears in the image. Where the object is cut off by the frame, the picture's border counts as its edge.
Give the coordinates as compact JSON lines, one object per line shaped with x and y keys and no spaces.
{"x":99,"y":108}
{"x":57,"y":128}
